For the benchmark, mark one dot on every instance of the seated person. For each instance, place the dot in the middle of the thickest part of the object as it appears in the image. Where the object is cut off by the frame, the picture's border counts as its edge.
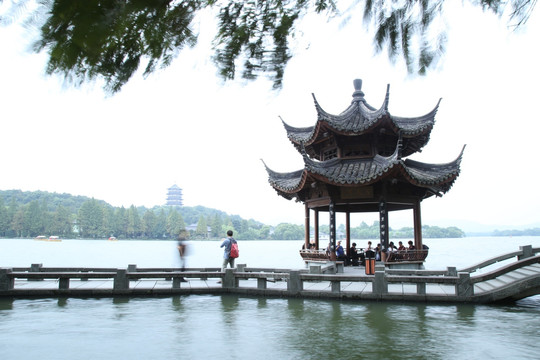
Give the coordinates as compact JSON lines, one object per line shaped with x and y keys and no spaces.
{"x":378,"y":250}
{"x":369,"y":246}
{"x":401,"y":247}
{"x":391,"y":249}
{"x":353,"y":255}
{"x":340,"y":253}
{"x":411,"y":246}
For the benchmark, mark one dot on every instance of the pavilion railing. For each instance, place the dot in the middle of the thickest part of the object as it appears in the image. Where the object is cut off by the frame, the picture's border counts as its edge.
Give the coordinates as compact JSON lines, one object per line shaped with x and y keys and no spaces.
{"x":406,"y":255}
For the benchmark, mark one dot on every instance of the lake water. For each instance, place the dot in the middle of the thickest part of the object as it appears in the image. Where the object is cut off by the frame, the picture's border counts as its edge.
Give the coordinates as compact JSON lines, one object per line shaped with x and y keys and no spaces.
{"x":210,"y":327}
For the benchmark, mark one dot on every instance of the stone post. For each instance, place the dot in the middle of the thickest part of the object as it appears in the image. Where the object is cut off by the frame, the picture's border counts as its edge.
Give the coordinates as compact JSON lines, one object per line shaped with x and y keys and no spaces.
{"x":336,"y":287}
{"x":176,"y":283}
{"x":121,"y":281}
{"x":229,"y":280}
{"x":315,"y":269}
{"x":294,"y":286}
{"x":464,"y":288}
{"x":261,"y":283}
{"x":64,"y":284}
{"x":35,"y":268}
{"x":451,"y":271}
{"x":241,"y":267}
{"x":132,"y":268}
{"x":380,"y":285}
{"x":6,"y":282}
{"x":527,"y":252}
{"x":421,"y":288}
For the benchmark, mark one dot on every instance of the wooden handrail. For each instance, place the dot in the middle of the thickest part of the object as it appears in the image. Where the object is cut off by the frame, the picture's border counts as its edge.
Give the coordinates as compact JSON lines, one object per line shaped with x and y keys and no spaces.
{"x":406,"y":255}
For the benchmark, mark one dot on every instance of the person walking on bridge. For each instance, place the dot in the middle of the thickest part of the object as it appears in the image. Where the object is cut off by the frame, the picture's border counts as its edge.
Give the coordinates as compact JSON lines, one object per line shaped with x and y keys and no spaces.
{"x":227,"y":243}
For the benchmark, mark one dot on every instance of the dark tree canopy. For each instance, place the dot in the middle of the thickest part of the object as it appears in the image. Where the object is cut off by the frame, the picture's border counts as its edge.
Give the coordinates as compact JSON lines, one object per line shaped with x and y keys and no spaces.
{"x":110,"y":39}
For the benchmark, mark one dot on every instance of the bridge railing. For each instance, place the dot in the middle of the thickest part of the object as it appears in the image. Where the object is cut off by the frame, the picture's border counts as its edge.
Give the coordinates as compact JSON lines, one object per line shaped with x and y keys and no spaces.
{"x":523,"y":252}
{"x":307,"y":282}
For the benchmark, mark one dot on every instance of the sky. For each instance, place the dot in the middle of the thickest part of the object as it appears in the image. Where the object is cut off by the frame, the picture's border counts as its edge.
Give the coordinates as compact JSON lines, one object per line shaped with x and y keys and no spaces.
{"x":183,"y":125}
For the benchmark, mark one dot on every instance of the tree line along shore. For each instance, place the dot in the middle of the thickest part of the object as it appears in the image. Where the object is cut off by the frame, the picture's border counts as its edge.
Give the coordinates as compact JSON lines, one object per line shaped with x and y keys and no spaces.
{"x":38,"y":213}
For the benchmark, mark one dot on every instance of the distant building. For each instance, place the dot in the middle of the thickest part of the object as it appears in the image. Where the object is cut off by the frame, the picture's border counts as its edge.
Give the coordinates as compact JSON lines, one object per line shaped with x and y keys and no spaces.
{"x":174,"y":196}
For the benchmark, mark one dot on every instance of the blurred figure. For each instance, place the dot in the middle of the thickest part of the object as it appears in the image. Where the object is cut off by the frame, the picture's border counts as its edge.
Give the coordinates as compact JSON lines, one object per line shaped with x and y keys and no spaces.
{"x":182,"y":251}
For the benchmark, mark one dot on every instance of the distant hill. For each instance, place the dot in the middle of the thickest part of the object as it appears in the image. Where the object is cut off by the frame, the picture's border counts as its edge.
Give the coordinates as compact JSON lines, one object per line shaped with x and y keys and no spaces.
{"x":70,"y":202}
{"x":472,"y":228}
{"x":190,"y":214}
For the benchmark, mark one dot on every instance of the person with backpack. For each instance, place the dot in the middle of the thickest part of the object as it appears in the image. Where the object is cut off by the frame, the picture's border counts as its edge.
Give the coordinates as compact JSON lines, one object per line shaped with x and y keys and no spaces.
{"x":231,"y":250}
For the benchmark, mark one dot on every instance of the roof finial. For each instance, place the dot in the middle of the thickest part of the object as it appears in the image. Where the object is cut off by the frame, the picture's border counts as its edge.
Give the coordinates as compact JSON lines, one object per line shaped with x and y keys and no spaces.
{"x":358,"y":94}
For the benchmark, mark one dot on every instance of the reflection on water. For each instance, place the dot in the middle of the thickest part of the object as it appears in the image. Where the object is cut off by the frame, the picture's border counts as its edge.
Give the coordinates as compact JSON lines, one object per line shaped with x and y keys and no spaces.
{"x":62,"y":302}
{"x":211,"y":327}
{"x":204,"y":327}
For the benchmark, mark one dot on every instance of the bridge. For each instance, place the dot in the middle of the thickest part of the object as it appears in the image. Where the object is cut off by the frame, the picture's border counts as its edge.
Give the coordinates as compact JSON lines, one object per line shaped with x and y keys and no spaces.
{"x":517,"y":278}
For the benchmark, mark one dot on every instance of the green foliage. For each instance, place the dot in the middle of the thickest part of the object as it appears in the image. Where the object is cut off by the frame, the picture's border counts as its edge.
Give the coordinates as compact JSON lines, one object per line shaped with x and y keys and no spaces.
{"x":526,"y":232}
{"x":91,"y":220}
{"x":4,"y":218}
{"x":288,"y":232}
{"x":202,"y":228}
{"x":175,"y":224}
{"x":97,"y":219}
{"x":109,"y":39}
{"x":61,"y":223}
{"x":363,"y":231}
{"x":71,"y":202}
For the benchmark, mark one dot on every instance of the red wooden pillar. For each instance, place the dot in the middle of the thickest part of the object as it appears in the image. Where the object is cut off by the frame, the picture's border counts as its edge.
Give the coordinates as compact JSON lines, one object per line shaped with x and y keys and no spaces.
{"x":417,"y":226}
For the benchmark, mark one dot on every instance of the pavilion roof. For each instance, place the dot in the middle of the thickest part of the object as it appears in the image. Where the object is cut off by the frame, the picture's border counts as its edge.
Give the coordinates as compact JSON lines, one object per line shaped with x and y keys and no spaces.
{"x":360,"y":118}
{"x":438,"y":178}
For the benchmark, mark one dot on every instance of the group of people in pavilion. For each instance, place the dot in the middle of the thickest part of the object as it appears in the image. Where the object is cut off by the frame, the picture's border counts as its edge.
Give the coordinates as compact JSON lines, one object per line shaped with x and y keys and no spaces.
{"x":357,"y":256}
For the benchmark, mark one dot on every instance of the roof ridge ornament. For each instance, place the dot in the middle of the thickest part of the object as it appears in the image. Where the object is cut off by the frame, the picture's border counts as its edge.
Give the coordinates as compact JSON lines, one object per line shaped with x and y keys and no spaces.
{"x":358,"y":94}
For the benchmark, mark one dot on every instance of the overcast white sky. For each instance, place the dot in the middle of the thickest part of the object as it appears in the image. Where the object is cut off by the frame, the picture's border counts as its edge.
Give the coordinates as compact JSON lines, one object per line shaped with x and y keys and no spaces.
{"x":183,"y":125}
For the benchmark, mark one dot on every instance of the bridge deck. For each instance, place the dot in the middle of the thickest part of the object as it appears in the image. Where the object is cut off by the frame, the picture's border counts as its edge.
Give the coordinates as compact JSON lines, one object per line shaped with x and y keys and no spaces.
{"x":515,"y":280}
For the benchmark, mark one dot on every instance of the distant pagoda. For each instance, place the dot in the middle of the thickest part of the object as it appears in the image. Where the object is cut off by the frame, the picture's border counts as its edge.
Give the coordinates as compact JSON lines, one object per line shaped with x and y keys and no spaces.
{"x":174,"y":196}
{"x":355,"y":162}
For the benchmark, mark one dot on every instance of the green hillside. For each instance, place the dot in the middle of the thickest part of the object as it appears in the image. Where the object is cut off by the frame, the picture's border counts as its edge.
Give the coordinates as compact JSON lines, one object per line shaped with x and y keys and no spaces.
{"x":30,"y":214}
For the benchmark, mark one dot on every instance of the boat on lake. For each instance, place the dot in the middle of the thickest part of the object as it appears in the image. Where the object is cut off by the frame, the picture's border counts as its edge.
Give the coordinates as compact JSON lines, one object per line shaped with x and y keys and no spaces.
{"x":50,"y":238}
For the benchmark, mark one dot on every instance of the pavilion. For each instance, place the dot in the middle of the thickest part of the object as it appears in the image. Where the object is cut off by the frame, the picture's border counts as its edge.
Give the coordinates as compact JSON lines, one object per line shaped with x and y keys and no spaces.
{"x":357,"y":162}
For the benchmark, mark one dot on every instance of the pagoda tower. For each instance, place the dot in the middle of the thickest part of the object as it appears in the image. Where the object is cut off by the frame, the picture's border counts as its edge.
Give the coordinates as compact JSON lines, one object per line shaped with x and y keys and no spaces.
{"x":357,"y":162}
{"x":174,"y":196}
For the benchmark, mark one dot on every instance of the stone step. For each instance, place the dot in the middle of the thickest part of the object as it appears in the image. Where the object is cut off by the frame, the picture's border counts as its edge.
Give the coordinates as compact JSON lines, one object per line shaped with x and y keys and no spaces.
{"x":483,"y":287}
{"x":525,"y":272}
{"x":497,"y":282}
{"x":510,"y":277}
